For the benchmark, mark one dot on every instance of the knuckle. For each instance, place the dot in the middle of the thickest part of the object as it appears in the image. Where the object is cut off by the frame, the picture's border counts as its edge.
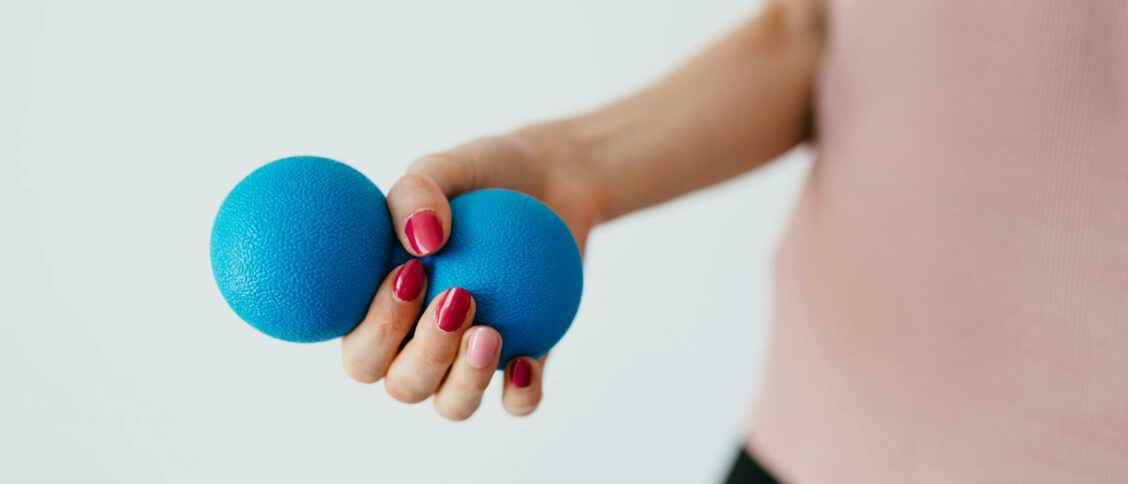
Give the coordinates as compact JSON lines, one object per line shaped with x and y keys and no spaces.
{"x":361,"y":371}
{"x":431,"y":161}
{"x":382,"y":329}
{"x":456,"y":165}
{"x":412,"y":182}
{"x":466,"y":387}
{"x":438,"y":355}
{"x":524,"y":406}
{"x":452,"y":414}
{"x":460,"y":411}
{"x":403,"y":392}
{"x":520,"y":410}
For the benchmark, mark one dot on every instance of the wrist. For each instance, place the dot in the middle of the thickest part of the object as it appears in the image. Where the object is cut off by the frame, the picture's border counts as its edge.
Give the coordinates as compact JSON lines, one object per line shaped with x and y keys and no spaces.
{"x":564,"y":156}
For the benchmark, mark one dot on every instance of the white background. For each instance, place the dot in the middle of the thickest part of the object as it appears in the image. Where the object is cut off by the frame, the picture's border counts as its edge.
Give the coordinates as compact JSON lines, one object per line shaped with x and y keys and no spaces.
{"x":122,"y":126}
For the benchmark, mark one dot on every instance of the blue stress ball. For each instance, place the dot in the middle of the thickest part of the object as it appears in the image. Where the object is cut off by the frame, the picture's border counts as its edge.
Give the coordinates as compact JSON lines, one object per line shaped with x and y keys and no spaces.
{"x":300,"y":246}
{"x":519,"y":261}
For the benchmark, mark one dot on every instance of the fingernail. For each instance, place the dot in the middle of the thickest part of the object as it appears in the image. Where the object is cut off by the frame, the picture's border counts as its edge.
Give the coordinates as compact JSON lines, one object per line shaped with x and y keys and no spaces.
{"x":424,"y":231}
{"x":483,"y":345}
{"x":522,"y":373}
{"x":452,"y":309}
{"x":409,"y":281}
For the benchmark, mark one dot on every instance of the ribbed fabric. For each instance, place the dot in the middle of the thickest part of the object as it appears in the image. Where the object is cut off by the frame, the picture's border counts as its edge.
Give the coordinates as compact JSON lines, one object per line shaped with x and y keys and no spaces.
{"x":951,"y":298}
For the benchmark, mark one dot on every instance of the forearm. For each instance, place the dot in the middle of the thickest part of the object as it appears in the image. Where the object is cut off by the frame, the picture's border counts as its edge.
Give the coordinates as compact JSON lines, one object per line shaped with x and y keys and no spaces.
{"x":738,"y":104}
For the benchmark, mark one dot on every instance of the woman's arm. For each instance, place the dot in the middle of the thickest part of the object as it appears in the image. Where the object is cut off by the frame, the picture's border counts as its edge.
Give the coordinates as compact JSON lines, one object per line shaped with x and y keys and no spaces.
{"x":738,"y":104}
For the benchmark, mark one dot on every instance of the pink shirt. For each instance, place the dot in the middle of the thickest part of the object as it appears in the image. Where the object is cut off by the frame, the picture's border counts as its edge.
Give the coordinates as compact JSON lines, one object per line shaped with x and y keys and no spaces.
{"x":951,"y":297}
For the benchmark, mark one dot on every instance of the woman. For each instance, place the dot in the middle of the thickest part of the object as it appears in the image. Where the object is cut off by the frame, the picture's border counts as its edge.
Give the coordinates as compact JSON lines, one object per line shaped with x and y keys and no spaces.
{"x":951,"y":298}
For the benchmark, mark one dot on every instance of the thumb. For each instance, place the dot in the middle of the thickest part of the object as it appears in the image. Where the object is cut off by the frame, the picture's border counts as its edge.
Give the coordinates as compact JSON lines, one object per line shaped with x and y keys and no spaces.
{"x":420,"y":213}
{"x":418,"y":201}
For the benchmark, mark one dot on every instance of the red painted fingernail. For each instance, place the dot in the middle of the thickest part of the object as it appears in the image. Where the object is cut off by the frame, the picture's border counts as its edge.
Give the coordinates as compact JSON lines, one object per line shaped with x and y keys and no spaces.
{"x":522,"y":373}
{"x":409,"y":281}
{"x":424,"y":231}
{"x":452,"y":309}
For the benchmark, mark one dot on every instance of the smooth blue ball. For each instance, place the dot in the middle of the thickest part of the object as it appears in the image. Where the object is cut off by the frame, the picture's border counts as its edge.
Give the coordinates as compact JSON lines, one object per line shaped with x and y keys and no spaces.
{"x":300,"y":246}
{"x":519,"y":261}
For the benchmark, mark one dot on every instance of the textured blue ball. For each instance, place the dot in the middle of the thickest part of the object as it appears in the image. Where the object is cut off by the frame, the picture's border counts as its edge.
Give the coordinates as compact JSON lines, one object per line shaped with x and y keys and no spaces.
{"x":300,"y":246}
{"x":519,"y":261}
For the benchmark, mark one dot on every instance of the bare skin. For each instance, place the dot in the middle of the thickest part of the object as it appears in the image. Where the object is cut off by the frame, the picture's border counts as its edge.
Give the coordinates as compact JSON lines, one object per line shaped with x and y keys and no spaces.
{"x":737,"y":105}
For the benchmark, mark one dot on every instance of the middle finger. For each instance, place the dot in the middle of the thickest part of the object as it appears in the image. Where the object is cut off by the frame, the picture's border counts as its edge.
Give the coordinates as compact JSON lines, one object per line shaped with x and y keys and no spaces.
{"x":416,"y":372}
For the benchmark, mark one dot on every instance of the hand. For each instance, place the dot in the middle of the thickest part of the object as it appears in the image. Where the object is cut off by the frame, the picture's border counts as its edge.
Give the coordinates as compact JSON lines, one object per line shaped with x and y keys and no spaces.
{"x":738,"y":104}
{"x":447,"y":357}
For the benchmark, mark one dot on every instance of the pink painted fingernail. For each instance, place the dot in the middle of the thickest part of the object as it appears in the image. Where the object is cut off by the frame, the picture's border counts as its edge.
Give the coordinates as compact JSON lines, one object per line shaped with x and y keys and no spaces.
{"x":424,"y":231}
{"x":409,"y":281}
{"x":522,"y":373}
{"x":483,"y":345}
{"x":452,"y":309}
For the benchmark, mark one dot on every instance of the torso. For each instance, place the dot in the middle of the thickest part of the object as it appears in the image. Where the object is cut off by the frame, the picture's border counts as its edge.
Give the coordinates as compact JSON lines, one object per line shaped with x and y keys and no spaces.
{"x":952,"y":294}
